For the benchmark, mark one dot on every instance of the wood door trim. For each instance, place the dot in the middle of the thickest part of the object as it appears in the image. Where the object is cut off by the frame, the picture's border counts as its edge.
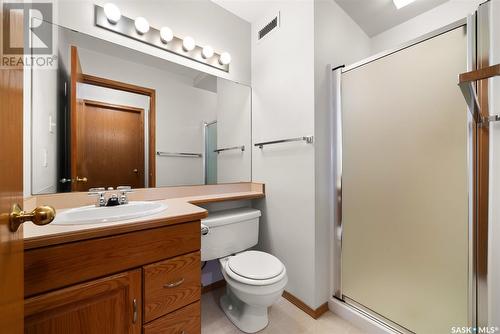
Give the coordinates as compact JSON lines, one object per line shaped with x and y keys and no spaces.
{"x":151,"y":93}
{"x":75,"y":77}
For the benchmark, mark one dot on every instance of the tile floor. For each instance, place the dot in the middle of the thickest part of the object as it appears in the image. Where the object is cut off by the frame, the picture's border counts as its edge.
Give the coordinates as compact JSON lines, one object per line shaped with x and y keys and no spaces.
{"x":284,"y":318}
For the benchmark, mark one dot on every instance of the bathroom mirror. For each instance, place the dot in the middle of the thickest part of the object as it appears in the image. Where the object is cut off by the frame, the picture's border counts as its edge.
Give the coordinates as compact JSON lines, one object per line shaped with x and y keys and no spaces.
{"x":108,"y":116}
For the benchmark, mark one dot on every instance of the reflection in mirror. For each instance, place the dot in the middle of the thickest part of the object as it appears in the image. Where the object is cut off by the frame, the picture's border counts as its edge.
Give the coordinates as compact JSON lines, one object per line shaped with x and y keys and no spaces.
{"x":111,"y":116}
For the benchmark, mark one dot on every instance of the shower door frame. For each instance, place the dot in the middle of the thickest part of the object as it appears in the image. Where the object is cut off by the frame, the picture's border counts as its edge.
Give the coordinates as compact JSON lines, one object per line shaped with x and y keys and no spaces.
{"x":336,"y":175}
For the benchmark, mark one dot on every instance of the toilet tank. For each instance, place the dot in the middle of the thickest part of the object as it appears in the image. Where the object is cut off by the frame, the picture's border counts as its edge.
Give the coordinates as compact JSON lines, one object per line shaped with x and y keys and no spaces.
{"x":229,"y":232}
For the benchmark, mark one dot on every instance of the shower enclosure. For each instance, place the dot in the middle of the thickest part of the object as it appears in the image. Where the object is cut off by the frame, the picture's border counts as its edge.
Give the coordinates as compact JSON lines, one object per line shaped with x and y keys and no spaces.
{"x":404,"y":172}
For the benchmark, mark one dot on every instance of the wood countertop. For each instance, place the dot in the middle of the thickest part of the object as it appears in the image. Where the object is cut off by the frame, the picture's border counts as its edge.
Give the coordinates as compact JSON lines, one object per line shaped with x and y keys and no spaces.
{"x":179,"y":210}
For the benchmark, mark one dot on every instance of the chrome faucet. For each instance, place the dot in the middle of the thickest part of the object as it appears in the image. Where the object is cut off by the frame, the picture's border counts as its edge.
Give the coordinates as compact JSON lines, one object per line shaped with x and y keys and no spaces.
{"x":113,"y":199}
{"x":124,"y":190}
{"x":99,"y":192}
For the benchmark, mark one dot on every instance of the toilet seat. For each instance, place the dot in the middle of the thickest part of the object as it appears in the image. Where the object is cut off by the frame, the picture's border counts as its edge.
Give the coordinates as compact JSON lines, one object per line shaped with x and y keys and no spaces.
{"x":255,"y":268}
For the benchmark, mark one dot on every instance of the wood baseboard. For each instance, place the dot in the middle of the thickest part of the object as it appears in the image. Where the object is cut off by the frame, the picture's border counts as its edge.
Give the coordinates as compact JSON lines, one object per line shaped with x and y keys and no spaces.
{"x":314,"y":313}
{"x":214,"y":286}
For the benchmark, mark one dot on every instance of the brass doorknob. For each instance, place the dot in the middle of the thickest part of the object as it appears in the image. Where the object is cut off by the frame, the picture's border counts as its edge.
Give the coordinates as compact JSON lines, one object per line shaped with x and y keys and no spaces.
{"x":81,"y":179}
{"x":135,"y":170}
{"x":41,"y":215}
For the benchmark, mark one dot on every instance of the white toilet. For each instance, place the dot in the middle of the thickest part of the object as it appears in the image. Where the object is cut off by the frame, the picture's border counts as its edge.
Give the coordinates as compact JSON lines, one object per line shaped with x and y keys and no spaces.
{"x":255,"y":280}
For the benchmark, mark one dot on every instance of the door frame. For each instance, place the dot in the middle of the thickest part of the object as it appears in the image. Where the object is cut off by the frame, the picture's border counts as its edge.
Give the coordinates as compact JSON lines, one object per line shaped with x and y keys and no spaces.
{"x":117,"y":85}
{"x":151,"y":93}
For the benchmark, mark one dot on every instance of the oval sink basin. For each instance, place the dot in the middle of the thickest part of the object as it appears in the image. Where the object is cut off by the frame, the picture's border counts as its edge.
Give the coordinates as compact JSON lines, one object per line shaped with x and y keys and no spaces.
{"x":96,"y":215}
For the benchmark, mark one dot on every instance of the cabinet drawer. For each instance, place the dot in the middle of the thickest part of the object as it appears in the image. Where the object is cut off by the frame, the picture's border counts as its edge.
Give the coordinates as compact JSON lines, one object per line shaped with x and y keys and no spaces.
{"x":54,"y":267}
{"x":171,"y":284}
{"x":187,"y":320}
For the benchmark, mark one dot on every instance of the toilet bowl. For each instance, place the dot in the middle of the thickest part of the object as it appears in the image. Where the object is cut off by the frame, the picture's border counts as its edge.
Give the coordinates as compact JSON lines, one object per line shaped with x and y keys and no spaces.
{"x":254,"y":279}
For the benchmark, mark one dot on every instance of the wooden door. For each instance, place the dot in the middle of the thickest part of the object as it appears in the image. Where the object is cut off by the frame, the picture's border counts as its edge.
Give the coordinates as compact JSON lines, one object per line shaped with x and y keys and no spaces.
{"x":109,"y":146}
{"x":11,"y":192}
{"x":110,"y":305}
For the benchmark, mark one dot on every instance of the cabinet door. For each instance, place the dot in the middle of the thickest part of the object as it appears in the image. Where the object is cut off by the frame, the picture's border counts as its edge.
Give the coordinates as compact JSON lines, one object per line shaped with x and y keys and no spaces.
{"x":110,"y":305}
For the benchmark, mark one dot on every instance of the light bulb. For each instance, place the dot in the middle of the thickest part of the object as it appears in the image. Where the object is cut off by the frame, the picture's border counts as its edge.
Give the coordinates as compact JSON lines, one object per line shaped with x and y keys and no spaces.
{"x":112,"y":13}
{"x":141,"y":25}
{"x":225,"y":58}
{"x":166,"y":34}
{"x":207,"y":51}
{"x":188,"y":43}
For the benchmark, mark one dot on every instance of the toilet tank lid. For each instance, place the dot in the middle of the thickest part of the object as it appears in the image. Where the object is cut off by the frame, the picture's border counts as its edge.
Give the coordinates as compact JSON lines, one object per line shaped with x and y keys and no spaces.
{"x":224,"y":217}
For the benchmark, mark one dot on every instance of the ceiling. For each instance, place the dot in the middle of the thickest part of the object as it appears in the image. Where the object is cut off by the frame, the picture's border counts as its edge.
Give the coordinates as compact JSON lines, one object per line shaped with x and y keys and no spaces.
{"x":248,"y":10}
{"x":376,"y":16}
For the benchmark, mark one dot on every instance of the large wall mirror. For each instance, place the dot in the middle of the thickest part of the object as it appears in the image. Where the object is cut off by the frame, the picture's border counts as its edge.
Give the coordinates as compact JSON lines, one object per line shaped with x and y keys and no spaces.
{"x":110,"y":116}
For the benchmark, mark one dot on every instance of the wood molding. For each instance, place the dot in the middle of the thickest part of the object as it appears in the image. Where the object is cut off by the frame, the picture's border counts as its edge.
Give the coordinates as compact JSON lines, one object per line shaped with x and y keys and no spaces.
{"x":213,"y":286}
{"x":314,"y":313}
{"x":113,"y":84}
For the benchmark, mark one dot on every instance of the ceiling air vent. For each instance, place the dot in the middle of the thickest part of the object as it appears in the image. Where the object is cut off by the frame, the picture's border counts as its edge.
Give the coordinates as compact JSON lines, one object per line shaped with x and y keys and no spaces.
{"x":273,"y":24}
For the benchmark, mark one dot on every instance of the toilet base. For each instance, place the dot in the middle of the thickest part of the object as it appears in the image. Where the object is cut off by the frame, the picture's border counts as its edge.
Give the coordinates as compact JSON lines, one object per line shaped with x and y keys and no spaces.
{"x":248,"y":318}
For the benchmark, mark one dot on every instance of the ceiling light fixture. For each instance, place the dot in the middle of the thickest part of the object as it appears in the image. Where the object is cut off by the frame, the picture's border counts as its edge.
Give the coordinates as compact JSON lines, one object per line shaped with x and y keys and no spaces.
{"x":112,"y":13}
{"x":207,"y":51}
{"x":225,"y":58}
{"x":141,"y":25}
{"x":188,"y":43}
{"x":166,"y":34}
{"x":402,"y":3}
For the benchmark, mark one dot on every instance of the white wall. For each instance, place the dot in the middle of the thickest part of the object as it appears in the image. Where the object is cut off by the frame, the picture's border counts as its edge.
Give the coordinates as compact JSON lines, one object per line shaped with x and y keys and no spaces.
{"x":422,"y":24}
{"x":283,"y":107}
{"x":338,"y":40}
{"x":44,"y":154}
{"x":494,"y":215}
{"x":290,"y":99}
{"x":234,"y":117}
{"x":206,"y":22}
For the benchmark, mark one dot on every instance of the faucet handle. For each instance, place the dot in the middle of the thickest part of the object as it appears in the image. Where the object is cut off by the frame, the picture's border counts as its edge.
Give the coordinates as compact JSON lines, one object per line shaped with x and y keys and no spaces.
{"x":124,"y":189}
{"x":101,"y":200}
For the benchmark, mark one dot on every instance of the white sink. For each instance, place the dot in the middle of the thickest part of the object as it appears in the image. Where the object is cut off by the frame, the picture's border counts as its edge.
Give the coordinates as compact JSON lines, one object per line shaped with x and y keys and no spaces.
{"x":97,"y":215}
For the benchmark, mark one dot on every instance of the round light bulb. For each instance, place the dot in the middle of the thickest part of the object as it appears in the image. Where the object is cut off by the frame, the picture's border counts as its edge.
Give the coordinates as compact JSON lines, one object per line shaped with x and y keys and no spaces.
{"x":188,"y":43}
{"x":166,"y":34}
{"x":225,"y":58}
{"x":207,"y":51}
{"x":112,"y":13}
{"x":141,"y":25}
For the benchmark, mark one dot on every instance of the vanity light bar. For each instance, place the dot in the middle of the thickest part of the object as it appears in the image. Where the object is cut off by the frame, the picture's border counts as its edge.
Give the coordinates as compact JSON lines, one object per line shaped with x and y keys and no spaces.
{"x":164,"y":39}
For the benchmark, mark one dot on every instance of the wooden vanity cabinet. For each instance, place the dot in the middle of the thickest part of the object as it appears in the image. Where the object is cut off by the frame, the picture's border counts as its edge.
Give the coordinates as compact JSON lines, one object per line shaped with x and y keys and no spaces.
{"x":146,"y":281}
{"x":107,"y":306}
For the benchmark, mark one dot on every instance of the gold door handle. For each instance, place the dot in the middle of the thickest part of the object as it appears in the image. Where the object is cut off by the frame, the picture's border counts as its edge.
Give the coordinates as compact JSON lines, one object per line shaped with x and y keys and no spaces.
{"x":42,"y":215}
{"x":81,"y":179}
{"x":135,"y":170}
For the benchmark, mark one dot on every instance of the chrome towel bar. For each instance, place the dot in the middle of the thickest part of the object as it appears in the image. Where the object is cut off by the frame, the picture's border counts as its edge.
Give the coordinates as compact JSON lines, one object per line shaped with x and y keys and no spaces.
{"x":242,"y":148}
{"x":307,"y":139}
{"x":179,"y":154}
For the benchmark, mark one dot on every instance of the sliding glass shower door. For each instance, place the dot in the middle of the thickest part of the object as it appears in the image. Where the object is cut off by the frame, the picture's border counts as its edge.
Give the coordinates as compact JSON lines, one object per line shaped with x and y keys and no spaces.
{"x":405,"y":186}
